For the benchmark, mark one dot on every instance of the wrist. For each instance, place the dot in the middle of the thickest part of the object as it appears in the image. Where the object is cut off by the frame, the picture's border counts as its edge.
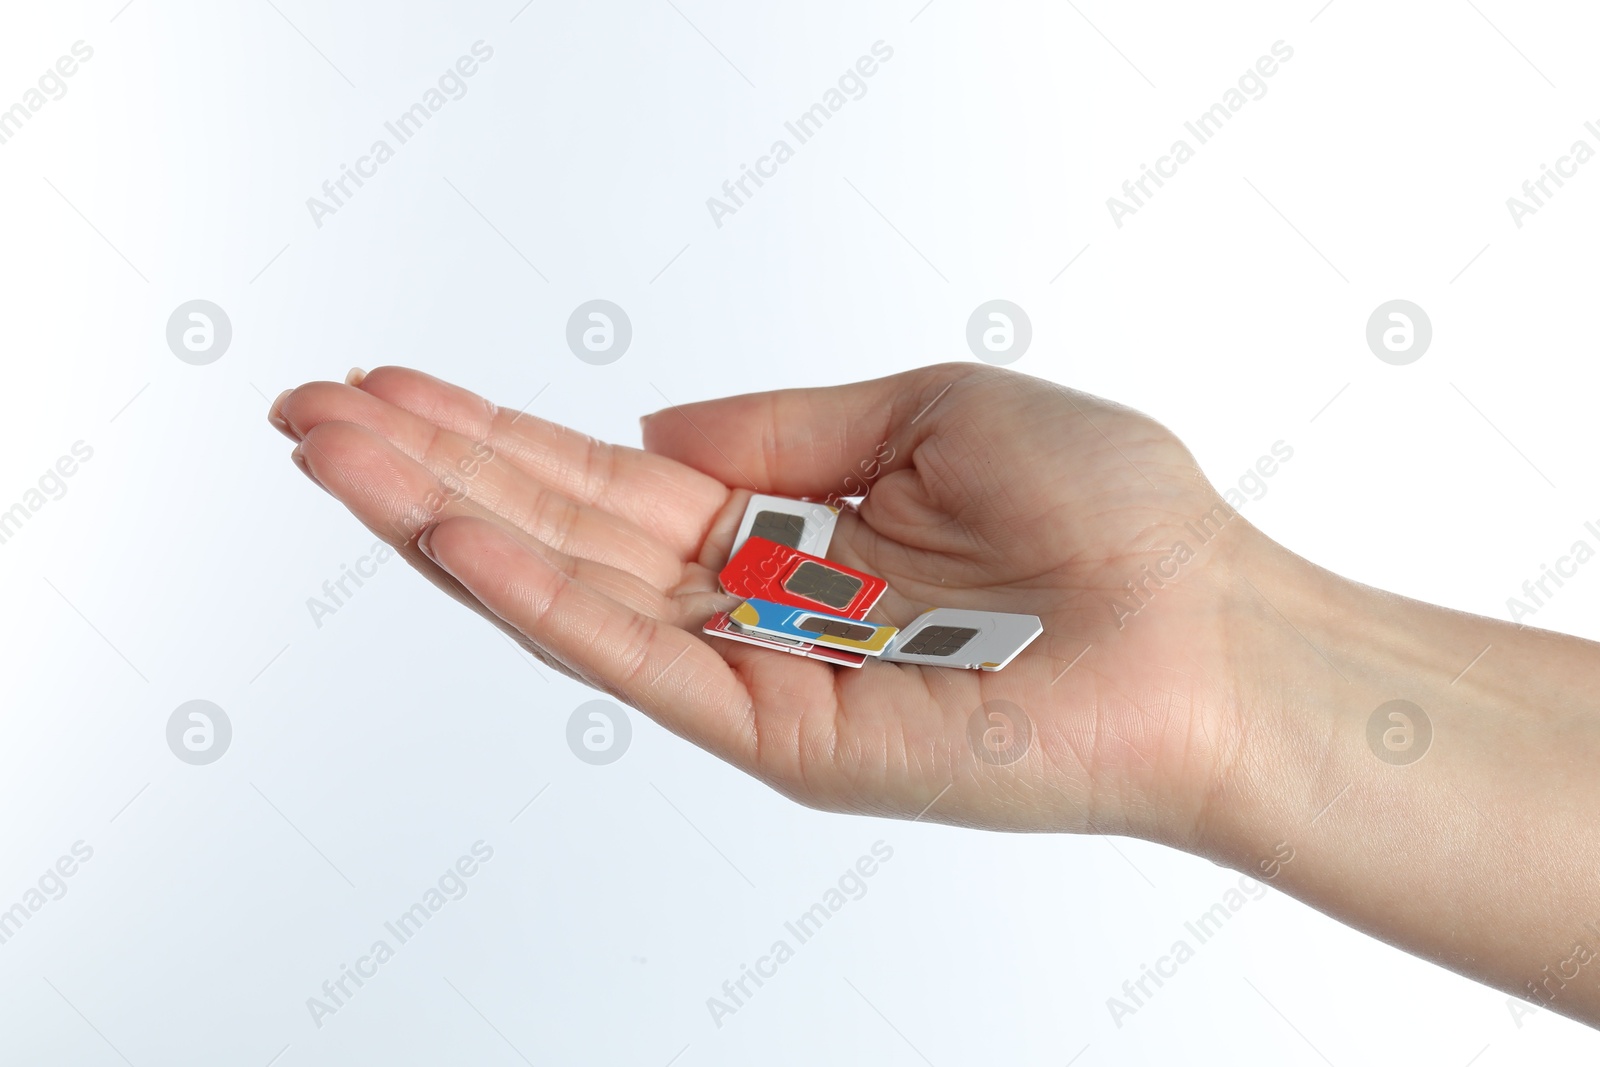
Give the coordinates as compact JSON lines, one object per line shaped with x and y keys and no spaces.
{"x":1298,"y":681}
{"x":1252,"y":697}
{"x":1408,"y":770}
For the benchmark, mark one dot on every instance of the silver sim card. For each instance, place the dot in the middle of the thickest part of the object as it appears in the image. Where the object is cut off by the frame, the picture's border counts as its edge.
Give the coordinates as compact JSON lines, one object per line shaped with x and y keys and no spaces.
{"x":957,"y":637}
{"x":806,"y":526}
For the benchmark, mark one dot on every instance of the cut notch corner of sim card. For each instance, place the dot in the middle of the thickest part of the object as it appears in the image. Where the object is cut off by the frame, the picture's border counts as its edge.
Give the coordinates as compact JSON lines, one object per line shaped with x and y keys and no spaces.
{"x":959,"y":637}
{"x":803,"y":525}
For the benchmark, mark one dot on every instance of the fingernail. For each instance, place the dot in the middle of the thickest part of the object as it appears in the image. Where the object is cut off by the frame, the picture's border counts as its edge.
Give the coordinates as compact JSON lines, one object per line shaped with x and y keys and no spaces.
{"x":305,"y":468}
{"x":355,"y":377}
{"x":275,"y":416}
{"x":425,"y":539}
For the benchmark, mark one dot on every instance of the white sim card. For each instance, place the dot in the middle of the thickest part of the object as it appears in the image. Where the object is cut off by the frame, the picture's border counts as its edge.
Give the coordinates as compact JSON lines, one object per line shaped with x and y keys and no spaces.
{"x":720,"y":625}
{"x":957,"y":637}
{"x":800,"y":524}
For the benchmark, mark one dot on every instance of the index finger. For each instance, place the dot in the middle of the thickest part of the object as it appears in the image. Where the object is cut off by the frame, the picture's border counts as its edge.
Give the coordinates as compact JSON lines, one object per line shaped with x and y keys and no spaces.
{"x":673,"y":501}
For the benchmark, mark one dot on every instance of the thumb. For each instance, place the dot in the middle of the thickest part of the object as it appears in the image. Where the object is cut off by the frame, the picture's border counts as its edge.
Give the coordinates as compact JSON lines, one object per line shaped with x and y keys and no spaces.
{"x":806,"y":442}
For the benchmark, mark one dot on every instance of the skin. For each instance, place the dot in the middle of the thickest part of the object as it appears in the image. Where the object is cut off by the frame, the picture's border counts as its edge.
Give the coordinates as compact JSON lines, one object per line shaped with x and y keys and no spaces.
{"x":1220,"y":704}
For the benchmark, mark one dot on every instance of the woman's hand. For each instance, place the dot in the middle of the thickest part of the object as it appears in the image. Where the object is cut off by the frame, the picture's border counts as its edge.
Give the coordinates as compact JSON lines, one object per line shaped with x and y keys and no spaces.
{"x":984,"y":489}
{"x":1195,"y":683}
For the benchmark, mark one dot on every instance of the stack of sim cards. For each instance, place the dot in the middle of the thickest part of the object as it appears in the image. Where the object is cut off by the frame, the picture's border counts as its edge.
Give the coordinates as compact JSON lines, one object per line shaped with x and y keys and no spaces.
{"x":798,"y":602}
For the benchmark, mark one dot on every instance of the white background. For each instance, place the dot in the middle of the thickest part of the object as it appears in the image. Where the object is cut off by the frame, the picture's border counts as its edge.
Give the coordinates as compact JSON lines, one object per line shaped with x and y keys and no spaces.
{"x":369,"y":753}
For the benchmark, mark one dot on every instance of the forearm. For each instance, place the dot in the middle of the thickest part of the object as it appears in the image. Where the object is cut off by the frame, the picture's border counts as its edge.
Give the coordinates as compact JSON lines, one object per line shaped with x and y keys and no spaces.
{"x":1477,"y":847}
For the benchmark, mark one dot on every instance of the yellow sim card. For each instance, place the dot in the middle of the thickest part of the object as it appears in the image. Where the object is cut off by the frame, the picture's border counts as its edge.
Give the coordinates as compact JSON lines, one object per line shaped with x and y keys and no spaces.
{"x":803,"y":624}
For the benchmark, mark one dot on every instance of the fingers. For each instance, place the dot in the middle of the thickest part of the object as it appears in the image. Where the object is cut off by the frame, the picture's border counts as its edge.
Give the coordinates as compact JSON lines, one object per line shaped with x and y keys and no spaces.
{"x":806,"y":442}
{"x":472,"y":470}
{"x":390,"y":493}
{"x":675,"y":503}
{"x":666,"y":672}
{"x":359,"y":470}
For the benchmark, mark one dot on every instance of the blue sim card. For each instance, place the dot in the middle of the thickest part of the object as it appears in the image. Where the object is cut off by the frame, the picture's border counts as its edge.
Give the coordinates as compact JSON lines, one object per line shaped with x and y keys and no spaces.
{"x":803,"y":624}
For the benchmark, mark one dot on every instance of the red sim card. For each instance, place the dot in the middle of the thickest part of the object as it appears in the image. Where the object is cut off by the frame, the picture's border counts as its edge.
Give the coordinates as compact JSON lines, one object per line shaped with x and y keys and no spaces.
{"x":766,"y":570}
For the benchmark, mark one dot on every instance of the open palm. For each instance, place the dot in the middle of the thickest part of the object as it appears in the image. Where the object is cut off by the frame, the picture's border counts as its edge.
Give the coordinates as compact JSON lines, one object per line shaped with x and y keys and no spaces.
{"x":982,"y":489}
